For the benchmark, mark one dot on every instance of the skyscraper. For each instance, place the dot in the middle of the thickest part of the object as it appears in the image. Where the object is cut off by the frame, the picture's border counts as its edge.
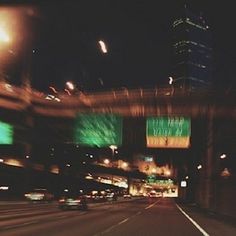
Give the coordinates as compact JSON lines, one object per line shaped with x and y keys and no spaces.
{"x":192,"y":54}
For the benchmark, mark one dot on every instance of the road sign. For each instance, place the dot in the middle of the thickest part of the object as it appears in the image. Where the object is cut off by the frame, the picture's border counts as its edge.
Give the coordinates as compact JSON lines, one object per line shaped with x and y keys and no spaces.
{"x":168,"y":132}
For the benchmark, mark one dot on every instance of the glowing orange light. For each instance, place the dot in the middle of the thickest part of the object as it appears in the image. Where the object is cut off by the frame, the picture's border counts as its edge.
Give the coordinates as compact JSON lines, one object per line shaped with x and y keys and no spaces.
{"x":4,"y":37}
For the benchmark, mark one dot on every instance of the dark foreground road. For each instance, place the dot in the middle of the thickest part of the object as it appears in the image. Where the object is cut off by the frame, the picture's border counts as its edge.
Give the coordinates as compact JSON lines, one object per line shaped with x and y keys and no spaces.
{"x":141,"y":217}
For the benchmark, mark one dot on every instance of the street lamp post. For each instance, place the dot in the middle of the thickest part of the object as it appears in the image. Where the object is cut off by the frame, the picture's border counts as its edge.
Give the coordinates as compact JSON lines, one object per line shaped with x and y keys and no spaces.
{"x":113,"y":148}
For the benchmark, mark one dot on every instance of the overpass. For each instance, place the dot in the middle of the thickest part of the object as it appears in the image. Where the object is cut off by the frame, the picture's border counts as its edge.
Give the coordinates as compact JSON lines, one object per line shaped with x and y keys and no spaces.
{"x":134,"y":102}
{"x":214,"y":112}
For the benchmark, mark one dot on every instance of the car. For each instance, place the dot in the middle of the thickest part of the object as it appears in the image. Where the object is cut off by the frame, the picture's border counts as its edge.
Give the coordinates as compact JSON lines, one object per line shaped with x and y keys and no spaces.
{"x":111,"y":196}
{"x":73,"y":202}
{"x":154,"y":194}
{"x":39,"y":195}
{"x":127,"y":196}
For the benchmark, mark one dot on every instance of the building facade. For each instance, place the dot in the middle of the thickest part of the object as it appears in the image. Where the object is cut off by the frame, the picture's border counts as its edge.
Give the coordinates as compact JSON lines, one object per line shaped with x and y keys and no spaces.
{"x":192,"y":53}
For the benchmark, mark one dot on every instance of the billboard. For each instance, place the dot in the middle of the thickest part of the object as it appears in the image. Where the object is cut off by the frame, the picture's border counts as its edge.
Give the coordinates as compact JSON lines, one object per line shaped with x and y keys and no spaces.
{"x":98,"y":130}
{"x":168,"y":132}
{"x":6,"y":133}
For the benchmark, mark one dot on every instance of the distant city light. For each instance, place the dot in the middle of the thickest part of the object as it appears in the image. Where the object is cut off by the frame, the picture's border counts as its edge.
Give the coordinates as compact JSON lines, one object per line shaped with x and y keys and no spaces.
{"x":170,"y":80}
{"x":1,"y":160}
{"x":103,"y":46}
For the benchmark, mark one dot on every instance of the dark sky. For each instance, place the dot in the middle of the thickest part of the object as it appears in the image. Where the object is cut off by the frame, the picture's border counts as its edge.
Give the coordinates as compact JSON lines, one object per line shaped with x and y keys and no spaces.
{"x":64,"y":36}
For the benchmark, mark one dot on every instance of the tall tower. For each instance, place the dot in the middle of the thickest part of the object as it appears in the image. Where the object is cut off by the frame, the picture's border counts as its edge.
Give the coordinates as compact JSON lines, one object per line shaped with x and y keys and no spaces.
{"x":192,"y":54}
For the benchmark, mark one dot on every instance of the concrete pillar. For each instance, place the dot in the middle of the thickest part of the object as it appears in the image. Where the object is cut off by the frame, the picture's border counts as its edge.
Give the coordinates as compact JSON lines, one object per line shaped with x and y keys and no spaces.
{"x":206,"y":176}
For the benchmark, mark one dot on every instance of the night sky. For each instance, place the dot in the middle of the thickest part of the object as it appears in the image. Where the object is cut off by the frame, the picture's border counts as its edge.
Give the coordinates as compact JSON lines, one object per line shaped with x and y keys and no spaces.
{"x":59,"y":42}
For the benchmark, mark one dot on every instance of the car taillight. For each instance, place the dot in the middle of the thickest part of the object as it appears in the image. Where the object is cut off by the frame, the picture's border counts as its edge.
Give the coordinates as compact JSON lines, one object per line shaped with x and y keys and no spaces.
{"x":78,"y":200}
{"x":62,"y":200}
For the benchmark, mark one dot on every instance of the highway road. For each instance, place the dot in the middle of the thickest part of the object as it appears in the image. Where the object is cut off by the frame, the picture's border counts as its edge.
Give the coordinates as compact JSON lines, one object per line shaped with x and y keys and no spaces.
{"x":139,"y":217}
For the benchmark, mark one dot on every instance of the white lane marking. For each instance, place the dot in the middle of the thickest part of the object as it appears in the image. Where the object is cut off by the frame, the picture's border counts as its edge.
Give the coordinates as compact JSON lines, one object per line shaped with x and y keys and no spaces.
{"x":193,"y":222}
{"x":123,"y":221}
{"x":150,"y":206}
{"x":138,"y":213}
{"x":20,"y":225}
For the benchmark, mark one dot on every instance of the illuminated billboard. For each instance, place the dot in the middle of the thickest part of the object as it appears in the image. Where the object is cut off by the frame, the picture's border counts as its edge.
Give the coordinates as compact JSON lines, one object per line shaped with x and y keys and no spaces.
{"x":168,"y":132}
{"x":99,"y":130}
{"x":6,"y":133}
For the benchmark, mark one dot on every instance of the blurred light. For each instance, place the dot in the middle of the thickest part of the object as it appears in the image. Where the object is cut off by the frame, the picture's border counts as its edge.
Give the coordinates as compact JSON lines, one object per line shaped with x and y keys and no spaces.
{"x":1,"y":160}
{"x":199,"y":167}
{"x":66,"y":190}
{"x":225,"y":173}
{"x":67,"y":91}
{"x":8,"y":87}
{"x":106,"y":161}
{"x":88,"y":177}
{"x":13,"y":162}
{"x":223,"y":156}
{"x":103,"y":46}
{"x":124,"y":164}
{"x":170,"y":80}
{"x":57,"y":99}
{"x":154,"y":170}
{"x":68,"y":165}
{"x":167,"y":173}
{"x":183,"y":184}
{"x":116,"y":151}
{"x":91,"y":156}
{"x":113,"y":147}
{"x":4,"y":188}
{"x":4,"y":37}
{"x":70,"y":85}
{"x":186,"y":177}
{"x":53,"y":89}
{"x":27,"y":157}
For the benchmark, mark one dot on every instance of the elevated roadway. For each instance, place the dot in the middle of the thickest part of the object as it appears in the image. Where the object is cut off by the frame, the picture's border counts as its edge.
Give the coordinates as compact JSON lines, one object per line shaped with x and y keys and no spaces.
{"x":134,"y":102}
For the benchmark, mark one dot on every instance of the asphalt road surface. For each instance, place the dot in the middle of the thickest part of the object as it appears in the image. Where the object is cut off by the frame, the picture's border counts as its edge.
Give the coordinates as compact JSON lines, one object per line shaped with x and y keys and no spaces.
{"x":139,"y":217}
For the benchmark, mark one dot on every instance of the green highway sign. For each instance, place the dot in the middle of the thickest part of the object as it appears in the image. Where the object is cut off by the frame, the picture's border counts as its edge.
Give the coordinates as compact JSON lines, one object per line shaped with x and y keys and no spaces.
{"x":6,"y":133}
{"x":99,"y":130}
{"x":168,"y":132}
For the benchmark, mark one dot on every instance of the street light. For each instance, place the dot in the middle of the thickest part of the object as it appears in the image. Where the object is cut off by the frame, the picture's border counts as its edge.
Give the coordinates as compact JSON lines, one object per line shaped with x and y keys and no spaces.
{"x":4,"y":37}
{"x":113,"y":148}
{"x":171,"y":80}
{"x":102,"y":46}
{"x":70,"y":85}
{"x":223,"y":156}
